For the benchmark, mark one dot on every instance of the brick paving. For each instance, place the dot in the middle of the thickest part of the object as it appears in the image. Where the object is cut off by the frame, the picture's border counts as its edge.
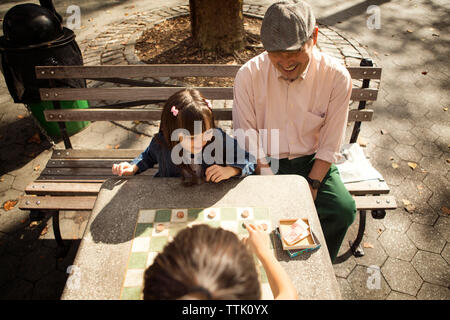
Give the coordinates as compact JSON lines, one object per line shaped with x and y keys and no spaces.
{"x":410,"y":250}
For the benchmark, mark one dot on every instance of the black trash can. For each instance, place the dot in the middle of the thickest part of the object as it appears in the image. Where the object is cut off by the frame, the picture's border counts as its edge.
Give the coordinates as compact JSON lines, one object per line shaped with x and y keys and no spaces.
{"x":34,"y":36}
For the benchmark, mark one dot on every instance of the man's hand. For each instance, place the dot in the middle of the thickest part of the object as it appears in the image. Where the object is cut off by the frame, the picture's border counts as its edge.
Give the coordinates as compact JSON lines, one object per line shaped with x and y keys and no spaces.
{"x":124,"y":169}
{"x":216,"y":173}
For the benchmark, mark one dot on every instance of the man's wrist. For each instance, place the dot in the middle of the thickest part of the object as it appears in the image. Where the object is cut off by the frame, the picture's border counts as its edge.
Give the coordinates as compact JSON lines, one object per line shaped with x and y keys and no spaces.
{"x":314,"y":183}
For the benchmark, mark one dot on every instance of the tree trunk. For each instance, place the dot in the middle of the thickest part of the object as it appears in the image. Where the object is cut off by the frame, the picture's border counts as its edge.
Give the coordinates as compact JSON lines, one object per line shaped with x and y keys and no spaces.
{"x":217,"y":25}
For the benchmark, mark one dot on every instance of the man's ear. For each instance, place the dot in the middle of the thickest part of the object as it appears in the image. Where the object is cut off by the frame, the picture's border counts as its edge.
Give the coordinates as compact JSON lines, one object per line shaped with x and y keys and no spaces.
{"x":315,"y":34}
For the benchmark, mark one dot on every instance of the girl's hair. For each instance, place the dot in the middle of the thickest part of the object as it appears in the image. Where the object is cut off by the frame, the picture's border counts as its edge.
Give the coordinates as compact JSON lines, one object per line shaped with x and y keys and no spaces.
{"x":206,"y":262}
{"x":191,"y":106}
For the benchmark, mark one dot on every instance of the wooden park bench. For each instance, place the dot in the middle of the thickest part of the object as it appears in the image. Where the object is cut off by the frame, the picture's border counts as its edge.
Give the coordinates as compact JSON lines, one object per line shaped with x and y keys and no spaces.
{"x":72,"y":178}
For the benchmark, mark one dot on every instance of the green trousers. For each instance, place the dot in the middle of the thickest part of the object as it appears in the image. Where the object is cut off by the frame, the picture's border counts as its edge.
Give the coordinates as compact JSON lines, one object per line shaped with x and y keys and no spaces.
{"x":334,"y":204}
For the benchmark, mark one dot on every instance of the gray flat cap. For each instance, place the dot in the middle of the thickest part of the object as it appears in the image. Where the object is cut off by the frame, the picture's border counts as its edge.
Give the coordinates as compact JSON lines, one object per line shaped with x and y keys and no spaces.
{"x":287,"y":25}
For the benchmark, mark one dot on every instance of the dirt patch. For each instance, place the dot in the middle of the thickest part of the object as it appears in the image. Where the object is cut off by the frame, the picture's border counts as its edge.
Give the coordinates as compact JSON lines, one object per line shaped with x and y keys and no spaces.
{"x":170,"y":42}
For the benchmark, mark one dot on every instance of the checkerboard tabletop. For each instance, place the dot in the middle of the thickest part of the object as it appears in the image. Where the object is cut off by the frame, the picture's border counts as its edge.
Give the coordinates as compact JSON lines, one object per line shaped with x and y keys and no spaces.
{"x":148,"y":242}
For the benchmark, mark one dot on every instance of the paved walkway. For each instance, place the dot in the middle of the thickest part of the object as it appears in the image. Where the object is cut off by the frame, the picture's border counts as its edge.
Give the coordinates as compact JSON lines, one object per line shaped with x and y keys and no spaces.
{"x":411,"y":124}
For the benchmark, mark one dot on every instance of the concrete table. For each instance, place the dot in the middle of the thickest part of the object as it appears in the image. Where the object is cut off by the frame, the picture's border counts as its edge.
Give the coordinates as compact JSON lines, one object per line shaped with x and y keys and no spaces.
{"x":100,"y":264}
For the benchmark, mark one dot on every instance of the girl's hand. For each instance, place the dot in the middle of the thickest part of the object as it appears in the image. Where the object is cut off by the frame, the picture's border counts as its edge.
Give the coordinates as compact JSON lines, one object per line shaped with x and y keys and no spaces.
{"x":258,"y":240}
{"x":124,"y":169}
{"x":216,"y":173}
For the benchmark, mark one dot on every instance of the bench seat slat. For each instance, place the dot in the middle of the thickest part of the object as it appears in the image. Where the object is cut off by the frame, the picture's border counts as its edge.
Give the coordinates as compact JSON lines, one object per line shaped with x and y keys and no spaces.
{"x":57,"y":203}
{"x":83,"y":163}
{"x":111,"y":154}
{"x":367,"y":187}
{"x":159,"y":93}
{"x":375,"y":202}
{"x":63,"y":189}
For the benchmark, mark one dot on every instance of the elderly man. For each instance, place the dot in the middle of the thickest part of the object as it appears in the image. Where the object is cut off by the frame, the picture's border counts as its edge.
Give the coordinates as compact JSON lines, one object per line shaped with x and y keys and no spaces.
{"x":304,"y":94}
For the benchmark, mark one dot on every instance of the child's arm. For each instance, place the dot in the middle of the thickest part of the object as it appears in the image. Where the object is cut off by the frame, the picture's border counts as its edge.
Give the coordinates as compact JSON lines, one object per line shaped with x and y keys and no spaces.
{"x":279,"y":281}
{"x":242,"y":159}
{"x":149,"y":157}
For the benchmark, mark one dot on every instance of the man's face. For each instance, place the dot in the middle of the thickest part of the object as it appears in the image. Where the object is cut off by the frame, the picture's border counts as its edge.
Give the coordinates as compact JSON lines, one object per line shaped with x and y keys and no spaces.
{"x":291,"y":64}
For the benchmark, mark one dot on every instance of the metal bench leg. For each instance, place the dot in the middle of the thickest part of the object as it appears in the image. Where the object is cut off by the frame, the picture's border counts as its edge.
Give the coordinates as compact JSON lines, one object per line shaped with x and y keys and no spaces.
{"x":63,"y":248}
{"x":355,"y":246}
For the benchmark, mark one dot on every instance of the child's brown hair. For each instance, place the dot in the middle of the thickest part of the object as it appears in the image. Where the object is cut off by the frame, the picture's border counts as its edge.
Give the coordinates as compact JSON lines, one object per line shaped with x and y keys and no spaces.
{"x":203,"y":263}
{"x":190,"y":106}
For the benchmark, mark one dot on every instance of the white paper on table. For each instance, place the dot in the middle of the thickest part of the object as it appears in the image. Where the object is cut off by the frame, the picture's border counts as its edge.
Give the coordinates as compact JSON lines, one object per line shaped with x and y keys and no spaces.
{"x":355,"y":166}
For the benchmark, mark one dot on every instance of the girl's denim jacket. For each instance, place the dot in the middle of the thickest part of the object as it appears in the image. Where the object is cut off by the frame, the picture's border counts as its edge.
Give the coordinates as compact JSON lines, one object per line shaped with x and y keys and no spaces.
{"x":231,"y":154}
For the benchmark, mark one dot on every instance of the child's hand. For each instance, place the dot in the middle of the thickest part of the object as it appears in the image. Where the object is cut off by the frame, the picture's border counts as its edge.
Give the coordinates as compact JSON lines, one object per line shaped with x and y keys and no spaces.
{"x":216,"y":173}
{"x":257,"y":239}
{"x":124,"y":169}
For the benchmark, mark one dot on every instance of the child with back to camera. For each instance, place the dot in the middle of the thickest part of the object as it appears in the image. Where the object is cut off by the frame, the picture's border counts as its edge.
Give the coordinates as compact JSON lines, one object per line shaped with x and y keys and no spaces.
{"x":181,"y":113}
{"x":217,"y":266}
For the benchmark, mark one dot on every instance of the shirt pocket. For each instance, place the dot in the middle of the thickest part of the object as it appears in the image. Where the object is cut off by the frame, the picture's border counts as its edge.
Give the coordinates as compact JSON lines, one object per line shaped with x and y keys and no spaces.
{"x":312,"y":123}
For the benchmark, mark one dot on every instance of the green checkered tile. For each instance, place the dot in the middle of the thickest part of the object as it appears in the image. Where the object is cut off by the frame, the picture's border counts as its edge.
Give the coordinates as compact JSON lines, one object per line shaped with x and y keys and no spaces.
{"x":132,"y":293}
{"x":144,"y":230}
{"x":138,"y":260}
{"x":195,"y":215}
{"x":163,"y":215}
{"x":158,"y":243}
{"x":261,"y":213}
{"x":241,"y":229}
{"x":228,"y":213}
{"x":213,"y":224}
{"x":175,"y":228}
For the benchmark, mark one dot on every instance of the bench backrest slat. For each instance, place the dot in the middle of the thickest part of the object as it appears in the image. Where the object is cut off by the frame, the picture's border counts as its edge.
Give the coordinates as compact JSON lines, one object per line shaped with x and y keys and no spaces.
{"x":168,"y":70}
{"x":159,"y":93}
{"x":154,"y":115}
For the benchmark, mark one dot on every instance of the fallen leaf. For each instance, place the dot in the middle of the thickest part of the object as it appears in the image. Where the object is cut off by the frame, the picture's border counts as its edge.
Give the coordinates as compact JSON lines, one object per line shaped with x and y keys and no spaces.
{"x":44,"y":231}
{"x":380,"y":231}
{"x":37,"y":167}
{"x":410,"y":208}
{"x":362,"y":142}
{"x":445,"y":109}
{"x":445,"y":210}
{"x":406,"y":202}
{"x":8,"y":205}
{"x":448,"y":160}
{"x":394,"y":165}
{"x":409,"y":30}
{"x":367,"y":245}
{"x":136,"y":122}
{"x":117,"y":146}
{"x":412,"y":165}
{"x":33,"y":224}
{"x":435,"y":35}
{"x":35,"y":138}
